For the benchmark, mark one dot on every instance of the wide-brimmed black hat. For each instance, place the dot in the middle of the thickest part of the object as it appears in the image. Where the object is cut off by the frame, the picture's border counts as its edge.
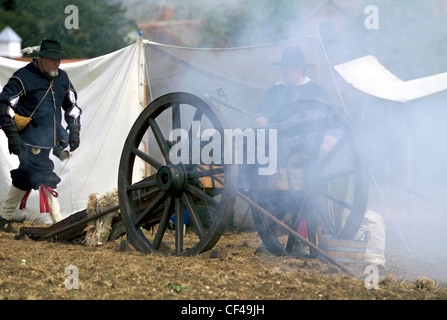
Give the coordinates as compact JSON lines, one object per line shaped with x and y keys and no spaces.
{"x":51,"y":49}
{"x":292,"y":56}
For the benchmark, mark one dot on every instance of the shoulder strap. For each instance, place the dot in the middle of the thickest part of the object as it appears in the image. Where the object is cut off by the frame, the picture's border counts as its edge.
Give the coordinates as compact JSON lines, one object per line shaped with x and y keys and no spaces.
{"x":49,"y":88}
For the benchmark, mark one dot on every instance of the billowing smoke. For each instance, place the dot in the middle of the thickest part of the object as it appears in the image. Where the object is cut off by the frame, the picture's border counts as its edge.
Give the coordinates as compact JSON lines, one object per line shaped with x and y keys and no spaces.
{"x":404,"y":142}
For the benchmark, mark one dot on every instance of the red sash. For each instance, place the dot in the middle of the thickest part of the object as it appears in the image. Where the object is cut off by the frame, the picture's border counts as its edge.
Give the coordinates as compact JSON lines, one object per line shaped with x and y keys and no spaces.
{"x":44,"y":205}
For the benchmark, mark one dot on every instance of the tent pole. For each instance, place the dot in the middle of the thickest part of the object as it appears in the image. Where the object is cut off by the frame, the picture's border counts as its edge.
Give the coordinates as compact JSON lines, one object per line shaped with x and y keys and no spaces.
{"x":147,"y":83}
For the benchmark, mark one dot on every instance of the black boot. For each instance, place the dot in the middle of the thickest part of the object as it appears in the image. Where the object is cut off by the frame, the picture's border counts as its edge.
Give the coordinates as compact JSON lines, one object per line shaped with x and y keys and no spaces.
{"x":6,"y":226}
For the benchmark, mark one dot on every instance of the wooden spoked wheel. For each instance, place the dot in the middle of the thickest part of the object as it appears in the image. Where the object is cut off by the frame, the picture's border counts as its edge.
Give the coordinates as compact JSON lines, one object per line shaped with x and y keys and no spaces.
{"x":165,"y":178}
{"x":322,"y":183}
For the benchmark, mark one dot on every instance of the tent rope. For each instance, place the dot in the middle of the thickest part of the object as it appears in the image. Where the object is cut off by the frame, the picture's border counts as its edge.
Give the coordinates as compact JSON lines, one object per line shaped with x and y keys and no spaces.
{"x":319,"y":39}
{"x":317,"y":31}
{"x":387,"y":211}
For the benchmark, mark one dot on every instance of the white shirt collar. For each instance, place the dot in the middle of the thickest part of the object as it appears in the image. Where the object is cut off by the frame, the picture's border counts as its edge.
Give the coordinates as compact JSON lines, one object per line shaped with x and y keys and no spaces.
{"x":281,"y":82}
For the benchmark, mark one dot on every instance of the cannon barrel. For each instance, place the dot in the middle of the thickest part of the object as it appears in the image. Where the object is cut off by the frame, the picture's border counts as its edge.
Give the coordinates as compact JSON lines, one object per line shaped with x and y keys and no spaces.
{"x":305,"y":126}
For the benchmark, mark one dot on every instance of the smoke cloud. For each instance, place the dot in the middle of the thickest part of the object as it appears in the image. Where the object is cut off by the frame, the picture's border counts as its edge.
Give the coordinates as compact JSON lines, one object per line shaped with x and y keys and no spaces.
{"x":404,"y":142}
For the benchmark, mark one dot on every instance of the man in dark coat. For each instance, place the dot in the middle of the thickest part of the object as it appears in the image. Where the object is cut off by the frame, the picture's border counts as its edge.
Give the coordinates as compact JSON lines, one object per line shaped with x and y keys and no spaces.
{"x":39,"y":90}
{"x":294,"y":85}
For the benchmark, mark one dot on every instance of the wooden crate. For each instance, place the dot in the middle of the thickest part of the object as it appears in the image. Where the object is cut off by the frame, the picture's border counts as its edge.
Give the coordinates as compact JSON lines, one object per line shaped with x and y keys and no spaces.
{"x":209,"y":183}
{"x":285,"y":179}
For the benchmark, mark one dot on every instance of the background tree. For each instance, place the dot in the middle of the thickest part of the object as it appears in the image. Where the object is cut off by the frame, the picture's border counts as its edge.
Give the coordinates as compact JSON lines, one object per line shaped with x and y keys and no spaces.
{"x":102,"y":26}
{"x":411,"y":33}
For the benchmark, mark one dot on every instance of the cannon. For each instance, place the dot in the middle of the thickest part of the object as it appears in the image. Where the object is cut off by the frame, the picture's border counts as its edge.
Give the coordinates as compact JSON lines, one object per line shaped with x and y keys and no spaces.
{"x":189,"y":166}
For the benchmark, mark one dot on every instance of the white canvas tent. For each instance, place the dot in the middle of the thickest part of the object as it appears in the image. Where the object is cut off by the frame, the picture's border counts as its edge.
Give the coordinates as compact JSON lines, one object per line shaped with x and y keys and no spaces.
{"x":369,"y":76}
{"x":113,"y":89}
{"x":111,"y":99}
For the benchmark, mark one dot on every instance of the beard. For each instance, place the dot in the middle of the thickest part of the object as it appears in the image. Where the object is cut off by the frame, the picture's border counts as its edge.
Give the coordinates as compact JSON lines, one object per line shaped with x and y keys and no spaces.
{"x":53,"y":73}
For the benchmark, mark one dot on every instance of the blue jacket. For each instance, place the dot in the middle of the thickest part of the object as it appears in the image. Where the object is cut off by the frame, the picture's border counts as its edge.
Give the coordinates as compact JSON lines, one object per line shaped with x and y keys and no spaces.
{"x":23,"y":93}
{"x":279,"y":95}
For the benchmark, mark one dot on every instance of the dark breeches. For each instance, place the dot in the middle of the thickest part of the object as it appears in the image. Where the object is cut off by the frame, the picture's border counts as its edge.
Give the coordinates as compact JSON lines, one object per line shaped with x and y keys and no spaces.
{"x":35,"y":168}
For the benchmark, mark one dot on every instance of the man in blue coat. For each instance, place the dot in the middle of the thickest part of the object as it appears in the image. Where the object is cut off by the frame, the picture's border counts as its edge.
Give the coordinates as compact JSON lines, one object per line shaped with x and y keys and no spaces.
{"x":294,"y":85}
{"x":41,"y":91}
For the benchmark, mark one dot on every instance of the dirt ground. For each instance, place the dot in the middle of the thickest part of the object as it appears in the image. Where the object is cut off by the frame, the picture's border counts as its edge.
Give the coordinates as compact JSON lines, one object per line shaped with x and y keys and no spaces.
{"x":233,"y":270}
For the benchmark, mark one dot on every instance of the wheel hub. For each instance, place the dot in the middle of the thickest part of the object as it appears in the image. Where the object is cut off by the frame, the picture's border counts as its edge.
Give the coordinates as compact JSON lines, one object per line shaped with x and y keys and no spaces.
{"x":171,"y":179}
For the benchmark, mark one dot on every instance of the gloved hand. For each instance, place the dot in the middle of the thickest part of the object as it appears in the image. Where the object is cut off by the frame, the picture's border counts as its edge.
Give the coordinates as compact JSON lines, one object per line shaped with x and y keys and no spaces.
{"x":73,"y":139}
{"x":14,"y":141}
